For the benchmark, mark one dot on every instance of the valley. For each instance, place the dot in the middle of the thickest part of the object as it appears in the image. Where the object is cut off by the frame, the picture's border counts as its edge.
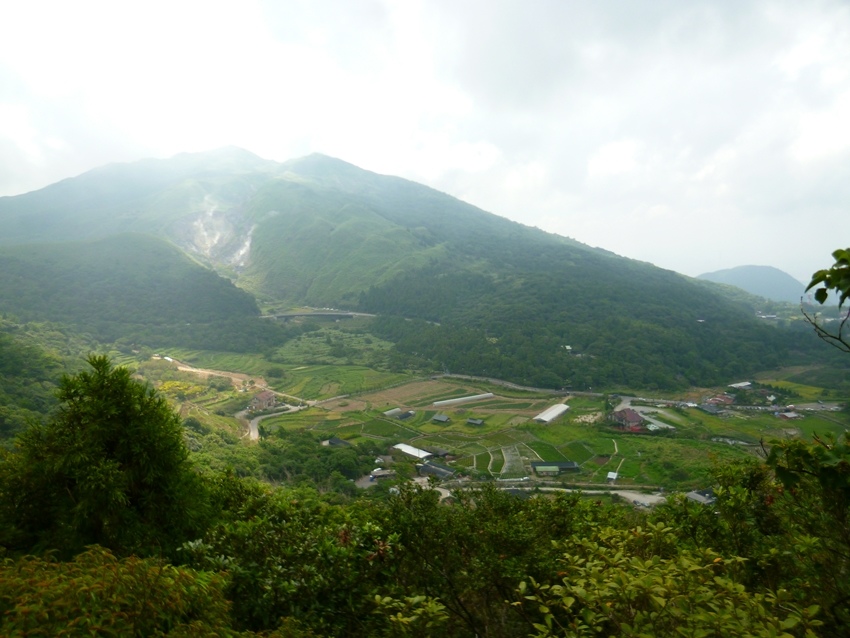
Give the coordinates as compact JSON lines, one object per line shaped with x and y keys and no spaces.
{"x":330,"y":402}
{"x":677,"y":448}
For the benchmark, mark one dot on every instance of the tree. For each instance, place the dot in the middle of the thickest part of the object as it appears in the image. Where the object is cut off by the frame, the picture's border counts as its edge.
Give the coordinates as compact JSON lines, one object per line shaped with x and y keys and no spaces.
{"x":639,"y":582}
{"x":835,"y":279}
{"x":109,"y":468}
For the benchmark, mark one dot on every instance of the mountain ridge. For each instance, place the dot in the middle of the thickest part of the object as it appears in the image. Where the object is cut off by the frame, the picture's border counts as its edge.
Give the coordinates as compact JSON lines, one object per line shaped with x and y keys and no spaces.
{"x":319,"y":231}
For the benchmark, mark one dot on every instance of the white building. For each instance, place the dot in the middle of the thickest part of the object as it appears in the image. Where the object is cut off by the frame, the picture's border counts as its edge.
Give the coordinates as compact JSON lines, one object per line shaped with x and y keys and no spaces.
{"x":412,"y":451}
{"x":549,"y":415}
{"x":474,"y":397}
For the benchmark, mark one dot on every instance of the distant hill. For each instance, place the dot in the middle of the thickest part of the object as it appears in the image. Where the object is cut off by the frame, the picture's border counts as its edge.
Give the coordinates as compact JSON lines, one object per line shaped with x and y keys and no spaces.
{"x":764,"y":281}
{"x":502,"y":299}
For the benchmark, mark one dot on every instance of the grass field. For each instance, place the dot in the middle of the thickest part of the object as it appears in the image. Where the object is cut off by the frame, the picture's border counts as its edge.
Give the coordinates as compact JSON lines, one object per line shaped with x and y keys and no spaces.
{"x":508,"y":441}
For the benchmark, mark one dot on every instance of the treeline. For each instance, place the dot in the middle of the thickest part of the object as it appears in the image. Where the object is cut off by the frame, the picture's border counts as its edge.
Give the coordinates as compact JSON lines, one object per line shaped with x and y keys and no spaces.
{"x":126,"y":537}
{"x":590,"y":320}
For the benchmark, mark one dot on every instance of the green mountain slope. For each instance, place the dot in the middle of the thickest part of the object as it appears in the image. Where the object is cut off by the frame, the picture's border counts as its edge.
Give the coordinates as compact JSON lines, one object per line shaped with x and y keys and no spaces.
{"x":126,"y":286}
{"x":764,"y":281}
{"x":511,"y":301}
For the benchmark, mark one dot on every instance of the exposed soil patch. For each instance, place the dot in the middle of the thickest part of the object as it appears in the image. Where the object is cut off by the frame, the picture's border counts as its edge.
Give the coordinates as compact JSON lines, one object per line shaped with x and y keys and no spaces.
{"x":412,"y":394}
{"x":601,"y":460}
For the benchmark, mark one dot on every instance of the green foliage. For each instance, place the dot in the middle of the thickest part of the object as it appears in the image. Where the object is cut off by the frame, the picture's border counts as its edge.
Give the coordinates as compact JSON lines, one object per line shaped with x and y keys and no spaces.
{"x":412,"y":615}
{"x":28,"y":375}
{"x":816,"y":481}
{"x":471,"y":555}
{"x":99,"y":595}
{"x":109,"y":468}
{"x":834,"y":280}
{"x":638,"y":582}
{"x":290,"y":554}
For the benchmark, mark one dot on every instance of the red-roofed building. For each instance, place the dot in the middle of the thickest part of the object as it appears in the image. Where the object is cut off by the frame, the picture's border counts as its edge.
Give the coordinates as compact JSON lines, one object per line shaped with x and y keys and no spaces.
{"x":627,"y":419}
{"x":263,"y":401}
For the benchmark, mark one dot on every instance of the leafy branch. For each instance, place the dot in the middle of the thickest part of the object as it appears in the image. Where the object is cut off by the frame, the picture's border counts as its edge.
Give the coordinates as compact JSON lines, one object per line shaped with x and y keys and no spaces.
{"x":835,"y":279}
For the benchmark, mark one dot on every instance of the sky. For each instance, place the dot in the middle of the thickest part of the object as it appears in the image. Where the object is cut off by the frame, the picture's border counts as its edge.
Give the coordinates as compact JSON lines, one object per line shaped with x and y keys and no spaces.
{"x":693,"y":135}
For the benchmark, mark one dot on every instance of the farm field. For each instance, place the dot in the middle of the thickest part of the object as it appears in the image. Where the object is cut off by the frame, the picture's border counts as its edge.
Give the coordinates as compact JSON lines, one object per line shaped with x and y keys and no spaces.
{"x":508,"y":440}
{"x":501,"y":442}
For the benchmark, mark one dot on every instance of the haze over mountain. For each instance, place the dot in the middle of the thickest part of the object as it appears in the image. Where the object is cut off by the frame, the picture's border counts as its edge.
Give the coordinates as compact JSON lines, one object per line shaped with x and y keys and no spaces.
{"x":764,"y":281}
{"x":511,"y":301}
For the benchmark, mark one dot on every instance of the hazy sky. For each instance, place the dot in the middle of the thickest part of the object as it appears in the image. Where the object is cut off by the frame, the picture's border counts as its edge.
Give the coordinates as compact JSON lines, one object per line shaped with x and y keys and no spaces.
{"x":694,"y":135}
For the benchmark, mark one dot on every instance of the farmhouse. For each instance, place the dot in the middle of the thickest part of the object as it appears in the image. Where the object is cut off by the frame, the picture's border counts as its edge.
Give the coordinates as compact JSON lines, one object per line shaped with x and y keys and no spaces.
{"x":441,"y":418}
{"x":627,"y":419}
{"x":263,"y":401}
{"x":475,"y":421}
{"x":547,"y":416}
{"x":722,"y":399}
{"x":405,"y":415}
{"x":412,"y":451}
{"x":553,"y":468}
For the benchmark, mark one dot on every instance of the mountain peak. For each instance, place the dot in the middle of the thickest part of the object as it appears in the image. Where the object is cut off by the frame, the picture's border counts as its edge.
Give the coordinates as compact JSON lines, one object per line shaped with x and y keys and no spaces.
{"x":764,"y":281}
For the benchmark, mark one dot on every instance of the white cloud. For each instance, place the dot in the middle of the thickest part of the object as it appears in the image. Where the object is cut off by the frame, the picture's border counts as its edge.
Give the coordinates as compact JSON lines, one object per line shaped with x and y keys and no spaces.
{"x":823,"y":133}
{"x":614,"y":158}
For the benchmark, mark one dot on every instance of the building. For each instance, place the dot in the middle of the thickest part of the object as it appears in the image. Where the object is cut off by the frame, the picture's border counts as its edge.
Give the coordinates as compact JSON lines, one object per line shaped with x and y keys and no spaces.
{"x":743,"y":385}
{"x":704,"y":497}
{"x":627,"y":419}
{"x":412,"y":451}
{"x":441,"y":418}
{"x":381,"y":473}
{"x":459,"y":400}
{"x":711,"y":408}
{"x":549,"y":415}
{"x":405,"y":415}
{"x":553,"y":468}
{"x":475,"y":421}
{"x":263,"y":401}
{"x":336,"y":442}
{"x":435,"y":469}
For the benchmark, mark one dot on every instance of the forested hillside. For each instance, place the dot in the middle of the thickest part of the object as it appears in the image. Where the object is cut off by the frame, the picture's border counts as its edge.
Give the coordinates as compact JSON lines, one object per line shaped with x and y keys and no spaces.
{"x":511,"y":301}
{"x":133,"y":288}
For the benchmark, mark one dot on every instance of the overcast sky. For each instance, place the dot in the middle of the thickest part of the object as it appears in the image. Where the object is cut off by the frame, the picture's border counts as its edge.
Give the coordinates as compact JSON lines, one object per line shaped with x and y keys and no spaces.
{"x":694,"y":135}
